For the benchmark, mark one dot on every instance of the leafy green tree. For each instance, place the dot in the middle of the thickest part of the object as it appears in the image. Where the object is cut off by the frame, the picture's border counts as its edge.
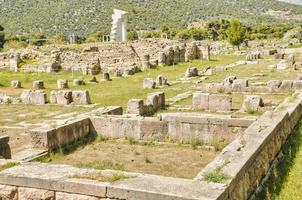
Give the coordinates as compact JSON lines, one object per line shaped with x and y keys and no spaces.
{"x":2,"y":37}
{"x":295,"y":33}
{"x":95,"y":37}
{"x":132,"y":35}
{"x":236,"y":33}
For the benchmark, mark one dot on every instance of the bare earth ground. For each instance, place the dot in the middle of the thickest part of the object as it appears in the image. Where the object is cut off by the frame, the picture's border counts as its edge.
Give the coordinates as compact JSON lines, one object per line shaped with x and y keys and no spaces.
{"x":175,"y":160}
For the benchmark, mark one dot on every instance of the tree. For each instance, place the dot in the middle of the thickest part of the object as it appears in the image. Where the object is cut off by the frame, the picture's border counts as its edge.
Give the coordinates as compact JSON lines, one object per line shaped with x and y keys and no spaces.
{"x":236,"y":33}
{"x":132,"y":35}
{"x":2,"y":37}
{"x":294,"y":34}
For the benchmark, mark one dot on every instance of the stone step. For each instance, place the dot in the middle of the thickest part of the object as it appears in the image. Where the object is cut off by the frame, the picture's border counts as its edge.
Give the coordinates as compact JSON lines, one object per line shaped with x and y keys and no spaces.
{"x":29,"y":154}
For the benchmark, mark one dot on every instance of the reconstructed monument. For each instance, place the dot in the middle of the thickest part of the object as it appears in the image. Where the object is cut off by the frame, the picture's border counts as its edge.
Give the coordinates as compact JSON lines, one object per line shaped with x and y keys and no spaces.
{"x":119,"y":26}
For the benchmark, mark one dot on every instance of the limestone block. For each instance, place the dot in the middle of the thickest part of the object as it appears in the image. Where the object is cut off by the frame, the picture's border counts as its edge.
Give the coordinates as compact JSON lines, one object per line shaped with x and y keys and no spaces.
{"x":191,"y":72}
{"x":283,"y":65}
{"x":239,"y":85}
{"x":118,"y":72}
{"x":62,"y":84}
{"x":252,"y":103}
{"x":35,"y":194}
{"x":286,"y":86}
{"x":63,"y":97}
{"x":33,"y":97}
{"x":161,"y":80}
{"x":161,"y":99}
{"x":274,"y":85}
{"x":146,"y":61}
{"x":78,"y":82}
{"x":176,"y":54}
{"x":149,"y":83}
{"x":38,"y":85}
{"x":68,"y":196}
{"x":81,"y":97}
{"x":8,"y":192}
{"x":5,"y":151}
{"x":169,"y":55}
{"x":15,"y":84}
{"x":152,"y":99}
{"x":279,"y":56}
{"x":106,"y":77}
{"x":229,"y":80}
{"x":200,"y":101}
{"x":161,"y":58}
{"x":182,"y":52}
{"x":297,"y":85}
{"x":209,"y":71}
{"x":220,"y":103}
{"x":135,"y":106}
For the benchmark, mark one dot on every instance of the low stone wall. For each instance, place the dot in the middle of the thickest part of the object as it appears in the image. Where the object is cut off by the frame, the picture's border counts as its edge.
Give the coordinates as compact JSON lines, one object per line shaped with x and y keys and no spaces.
{"x":46,"y":182}
{"x":274,"y":86}
{"x":129,"y":126}
{"x":247,"y":159}
{"x":204,"y":127}
{"x":178,"y":126}
{"x":52,"y":138}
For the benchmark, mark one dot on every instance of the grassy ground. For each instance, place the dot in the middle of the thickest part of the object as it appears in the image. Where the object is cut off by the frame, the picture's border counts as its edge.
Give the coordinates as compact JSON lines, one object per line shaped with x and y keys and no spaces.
{"x":145,"y":157}
{"x":291,"y":188}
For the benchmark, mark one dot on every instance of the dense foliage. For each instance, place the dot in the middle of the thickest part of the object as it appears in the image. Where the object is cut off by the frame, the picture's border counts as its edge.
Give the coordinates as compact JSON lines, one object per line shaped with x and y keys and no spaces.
{"x":89,"y":16}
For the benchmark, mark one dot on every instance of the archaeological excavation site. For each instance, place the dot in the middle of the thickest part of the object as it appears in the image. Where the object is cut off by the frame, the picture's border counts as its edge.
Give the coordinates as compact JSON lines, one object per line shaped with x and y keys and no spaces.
{"x":151,"y":115}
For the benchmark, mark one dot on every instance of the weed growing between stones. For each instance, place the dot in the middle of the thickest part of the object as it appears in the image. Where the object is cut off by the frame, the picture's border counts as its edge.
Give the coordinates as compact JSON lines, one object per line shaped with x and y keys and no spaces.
{"x":116,"y":176}
{"x":216,"y":176}
{"x":8,"y":165}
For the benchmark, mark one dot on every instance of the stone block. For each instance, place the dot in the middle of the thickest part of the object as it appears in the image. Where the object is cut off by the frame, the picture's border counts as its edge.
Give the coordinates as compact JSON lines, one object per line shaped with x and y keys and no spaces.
{"x":191,"y":72}
{"x":200,"y":101}
{"x":297,"y":85}
{"x":8,"y":192}
{"x":35,"y":194}
{"x":33,"y":97}
{"x":239,"y":85}
{"x":152,"y":99}
{"x":81,"y":97}
{"x":5,"y":151}
{"x":106,"y":77}
{"x":252,"y":103}
{"x":160,"y":80}
{"x":220,"y":103}
{"x":161,"y":58}
{"x":286,"y":86}
{"x":15,"y":84}
{"x":68,"y":196}
{"x":283,"y":65}
{"x":62,"y":84}
{"x":229,"y":80}
{"x":78,"y":82}
{"x":161,"y":99}
{"x":149,"y":83}
{"x":136,"y":106}
{"x":274,"y":85}
{"x":38,"y":85}
{"x":63,"y":97}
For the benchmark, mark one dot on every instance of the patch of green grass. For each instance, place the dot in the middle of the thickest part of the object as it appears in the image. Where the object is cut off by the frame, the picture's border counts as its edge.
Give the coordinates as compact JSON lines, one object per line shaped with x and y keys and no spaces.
{"x":116,"y":176}
{"x":8,"y":165}
{"x":216,"y":176}
{"x":101,"y":165}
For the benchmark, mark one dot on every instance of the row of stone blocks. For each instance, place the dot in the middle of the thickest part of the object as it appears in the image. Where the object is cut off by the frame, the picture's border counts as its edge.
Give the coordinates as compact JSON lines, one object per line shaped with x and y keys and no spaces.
{"x":39,"y":84}
{"x":231,"y":84}
{"x":154,"y":102}
{"x":56,"y":97}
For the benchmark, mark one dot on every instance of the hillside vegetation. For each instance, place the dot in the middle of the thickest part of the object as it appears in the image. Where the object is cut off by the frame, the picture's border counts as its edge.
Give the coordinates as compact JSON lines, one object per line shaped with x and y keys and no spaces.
{"x":87,"y":16}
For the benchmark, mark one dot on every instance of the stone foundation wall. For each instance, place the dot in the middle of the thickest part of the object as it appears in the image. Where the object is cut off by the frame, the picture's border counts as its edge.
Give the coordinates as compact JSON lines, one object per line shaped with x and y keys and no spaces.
{"x":52,"y":138}
{"x":178,"y":126}
{"x":248,"y":158}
